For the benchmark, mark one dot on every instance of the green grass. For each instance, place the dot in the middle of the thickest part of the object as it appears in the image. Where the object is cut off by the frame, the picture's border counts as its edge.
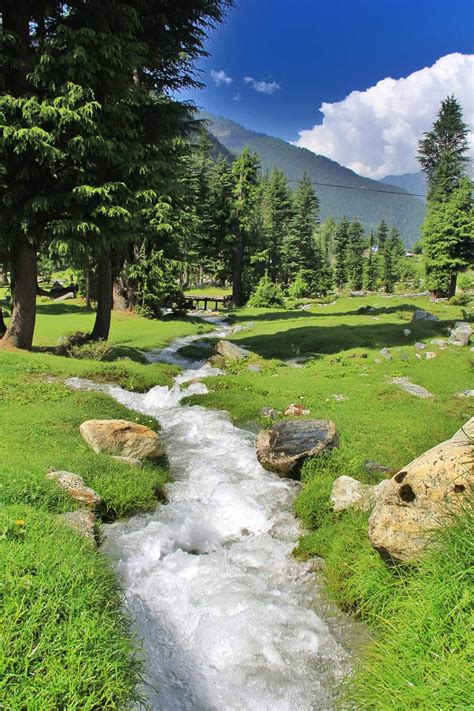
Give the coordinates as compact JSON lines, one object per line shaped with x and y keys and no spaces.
{"x":209,"y":291}
{"x":64,"y":638}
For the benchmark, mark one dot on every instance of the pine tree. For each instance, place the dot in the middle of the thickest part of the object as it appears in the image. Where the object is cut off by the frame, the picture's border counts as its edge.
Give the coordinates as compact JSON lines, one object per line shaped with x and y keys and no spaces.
{"x":277,"y":211}
{"x":442,"y":156}
{"x":300,"y":247}
{"x":245,"y":171}
{"x":442,"y":151}
{"x":341,"y":245}
{"x":371,"y":266}
{"x":448,"y":239}
{"x":355,"y":256}
{"x":381,"y":235}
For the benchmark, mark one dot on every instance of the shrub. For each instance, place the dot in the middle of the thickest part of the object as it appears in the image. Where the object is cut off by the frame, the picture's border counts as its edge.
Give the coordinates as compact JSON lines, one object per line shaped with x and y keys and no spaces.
{"x":299,"y":288}
{"x":462,"y":299}
{"x":79,"y":345}
{"x":267,"y":294}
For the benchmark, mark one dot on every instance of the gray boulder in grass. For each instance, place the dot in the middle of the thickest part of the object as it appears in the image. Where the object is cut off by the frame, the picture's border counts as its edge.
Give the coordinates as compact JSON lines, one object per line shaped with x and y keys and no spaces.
{"x":284,"y":446}
{"x":121,"y":438}
{"x":461,"y":334}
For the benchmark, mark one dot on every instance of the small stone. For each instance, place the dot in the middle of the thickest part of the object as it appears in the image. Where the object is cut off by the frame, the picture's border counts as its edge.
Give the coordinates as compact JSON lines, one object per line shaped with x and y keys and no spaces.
{"x":269,"y":412}
{"x":339,"y":398}
{"x":377,"y":360}
{"x":385,"y":353}
{"x":83,"y":522}
{"x":429,"y":355}
{"x":466,"y":393}
{"x":254,"y":368}
{"x":349,"y":493}
{"x":404,"y":356}
{"x":295,"y":410}
{"x":406,"y":332}
{"x":439,"y":342}
{"x":75,"y":486}
{"x":411,"y":388}
{"x":419,"y":346}
{"x":371,"y":466}
{"x":131,"y":461}
{"x":461,"y":334}
{"x":421,"y":315}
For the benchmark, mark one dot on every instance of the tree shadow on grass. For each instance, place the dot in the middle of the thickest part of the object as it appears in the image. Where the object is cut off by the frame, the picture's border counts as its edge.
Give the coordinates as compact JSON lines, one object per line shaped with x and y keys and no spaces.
{"x":287,"y":314}
{"x":62,"y":308}
{"x":333,"y":339}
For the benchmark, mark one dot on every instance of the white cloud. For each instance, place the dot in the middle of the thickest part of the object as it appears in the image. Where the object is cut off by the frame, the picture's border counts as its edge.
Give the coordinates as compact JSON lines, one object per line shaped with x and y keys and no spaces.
{"x":263,"y":87}
{"x":375,"y":132}
{"x":221,"y":77}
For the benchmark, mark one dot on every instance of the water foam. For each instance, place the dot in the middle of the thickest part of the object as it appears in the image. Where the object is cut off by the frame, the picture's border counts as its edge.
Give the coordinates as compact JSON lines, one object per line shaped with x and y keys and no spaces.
{"x":229,"y":620}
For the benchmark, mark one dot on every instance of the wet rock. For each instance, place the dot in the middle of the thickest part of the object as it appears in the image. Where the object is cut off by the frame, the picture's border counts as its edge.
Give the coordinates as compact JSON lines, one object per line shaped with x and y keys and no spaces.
{"x":269,"y":412}
{"x":421,"y":315}
{"x":121,"y":438}
{"x":230,"y":351}
{"x":75,"y":486}
{"x":461,"y":334}
{"x":286,"y":444}
{"x":349,"y":493}
{"x":422,"y":496}
{"x":83,"y":522}
{"x":295,"y":410}
{"x":385,"y":353}
{"x":406,"y":332}
{"x":131,"y":461}
{"x":411,"y":388}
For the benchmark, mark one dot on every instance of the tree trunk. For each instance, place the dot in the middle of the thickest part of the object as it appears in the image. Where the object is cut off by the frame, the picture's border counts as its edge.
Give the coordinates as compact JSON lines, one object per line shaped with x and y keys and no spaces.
{"x":19,"y":333}
{"x":88,"y":287}
{"x":3,"y":325}
{"x":237,"y":268}
{"x":452,"y":285}
{"x":104,"y":297}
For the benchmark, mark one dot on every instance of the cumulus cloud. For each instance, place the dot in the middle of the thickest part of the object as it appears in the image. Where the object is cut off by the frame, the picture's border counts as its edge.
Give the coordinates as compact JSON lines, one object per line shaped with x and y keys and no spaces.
{"x":375,"y":132}
{"x":221,"y":77}
{"x":263,"y":87}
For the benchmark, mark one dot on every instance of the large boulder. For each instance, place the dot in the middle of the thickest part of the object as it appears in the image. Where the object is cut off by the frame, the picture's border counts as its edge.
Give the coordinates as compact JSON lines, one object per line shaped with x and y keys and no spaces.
{"x":461,"y":334}
{"x":422,"y":496}
{"x":121,"y":438}
{"x":230,"y":351}
{"x":284,"y":446}
{"x":75,"y":486}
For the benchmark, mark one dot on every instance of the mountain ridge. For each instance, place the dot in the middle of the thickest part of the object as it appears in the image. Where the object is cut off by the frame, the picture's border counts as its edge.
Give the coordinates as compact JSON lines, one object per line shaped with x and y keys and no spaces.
{"x":341,"y":191}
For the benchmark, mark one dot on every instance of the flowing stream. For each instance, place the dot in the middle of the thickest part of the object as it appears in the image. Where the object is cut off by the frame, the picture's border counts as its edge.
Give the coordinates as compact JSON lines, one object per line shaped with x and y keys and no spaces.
{"x":229,"y":620}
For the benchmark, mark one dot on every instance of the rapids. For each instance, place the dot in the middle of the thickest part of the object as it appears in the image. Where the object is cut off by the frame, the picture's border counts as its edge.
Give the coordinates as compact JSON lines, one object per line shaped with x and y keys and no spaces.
{"x":229,"y":620}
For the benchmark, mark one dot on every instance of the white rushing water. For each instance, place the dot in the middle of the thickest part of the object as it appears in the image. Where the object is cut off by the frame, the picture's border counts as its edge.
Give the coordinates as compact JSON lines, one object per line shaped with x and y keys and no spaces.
{"x":229,"y":620}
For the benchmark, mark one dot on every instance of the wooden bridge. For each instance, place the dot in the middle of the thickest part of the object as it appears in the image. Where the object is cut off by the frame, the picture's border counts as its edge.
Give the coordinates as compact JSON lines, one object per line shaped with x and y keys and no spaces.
{"x":193,"y":301}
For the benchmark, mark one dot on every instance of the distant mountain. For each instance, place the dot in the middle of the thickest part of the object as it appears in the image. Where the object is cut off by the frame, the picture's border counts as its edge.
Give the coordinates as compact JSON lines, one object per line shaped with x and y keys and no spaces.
{"x":412,"y":182}
{"x":368,"y":200}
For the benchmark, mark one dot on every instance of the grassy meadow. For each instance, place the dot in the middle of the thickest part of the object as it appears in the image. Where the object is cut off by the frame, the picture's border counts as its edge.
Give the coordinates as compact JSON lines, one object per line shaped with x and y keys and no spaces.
{"x":67,"y":643}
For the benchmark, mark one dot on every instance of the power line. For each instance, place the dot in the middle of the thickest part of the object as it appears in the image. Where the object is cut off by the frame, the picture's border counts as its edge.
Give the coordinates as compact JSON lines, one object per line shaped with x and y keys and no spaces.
{"x":365,"y":190}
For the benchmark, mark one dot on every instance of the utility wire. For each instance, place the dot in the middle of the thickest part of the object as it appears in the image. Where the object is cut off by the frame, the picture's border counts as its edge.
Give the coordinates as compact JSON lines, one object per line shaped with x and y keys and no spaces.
{"x":365,"y":190}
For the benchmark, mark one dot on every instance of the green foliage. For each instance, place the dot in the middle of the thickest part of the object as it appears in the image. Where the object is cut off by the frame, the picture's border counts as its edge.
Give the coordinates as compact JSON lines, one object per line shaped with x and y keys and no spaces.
{"x":300,"y":247}
{"x":154,"y":281}
{"x":299,"y":287}
{"x":447,"y":238}
{"x":340,"y":253}
{"x":267,"y":294}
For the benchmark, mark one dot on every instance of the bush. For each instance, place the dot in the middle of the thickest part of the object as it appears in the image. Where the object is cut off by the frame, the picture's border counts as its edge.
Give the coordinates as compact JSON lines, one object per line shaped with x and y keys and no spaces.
{"x":80,"y":345}
{"x":267,"y":294}
{"x":462,"y":299}
{"x":299,"y":288}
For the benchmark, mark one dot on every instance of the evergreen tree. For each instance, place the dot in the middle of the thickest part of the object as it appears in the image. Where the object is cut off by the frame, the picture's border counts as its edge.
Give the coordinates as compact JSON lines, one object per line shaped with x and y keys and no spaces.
{"x":381,"y":235}
{"x":448,"y":239}
{"x":371,"y":266}
{"x":442,"y":151}
{"x":442,"y":156}
{"x":355,"y":256}
{"x":300,"y":247}
{"x":341,"y":245}
{"x":326,"y":237}
{"x":277,"y":212}
{"x":245,"y":171}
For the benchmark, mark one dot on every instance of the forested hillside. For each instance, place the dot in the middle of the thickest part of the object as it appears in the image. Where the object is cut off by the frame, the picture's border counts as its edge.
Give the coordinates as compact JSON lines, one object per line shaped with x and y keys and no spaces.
{"x":412,"y":182}
{"x":406,"y":213}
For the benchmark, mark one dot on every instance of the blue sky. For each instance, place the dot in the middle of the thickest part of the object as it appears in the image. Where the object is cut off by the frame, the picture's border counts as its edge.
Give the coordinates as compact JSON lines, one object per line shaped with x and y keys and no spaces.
{"x":320,"y":51}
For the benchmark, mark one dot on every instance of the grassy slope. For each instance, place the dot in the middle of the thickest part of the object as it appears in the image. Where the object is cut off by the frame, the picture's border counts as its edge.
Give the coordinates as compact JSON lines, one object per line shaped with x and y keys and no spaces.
{"x":421,"y":658}
{"x":66,"y":643}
